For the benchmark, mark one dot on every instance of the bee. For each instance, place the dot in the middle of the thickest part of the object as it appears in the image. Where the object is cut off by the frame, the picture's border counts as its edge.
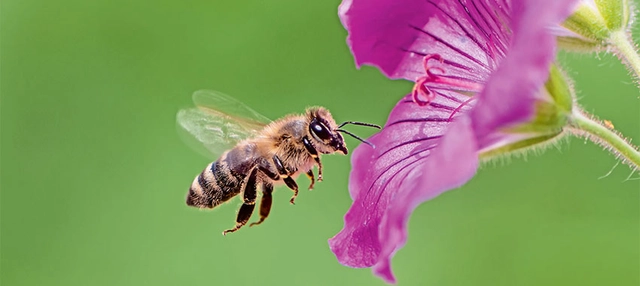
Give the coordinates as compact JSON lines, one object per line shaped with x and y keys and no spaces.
{"x":256,"y":152}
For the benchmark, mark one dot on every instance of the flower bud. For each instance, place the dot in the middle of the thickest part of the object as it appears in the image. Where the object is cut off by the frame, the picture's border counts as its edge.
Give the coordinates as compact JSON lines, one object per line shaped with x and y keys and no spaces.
{"x":590,"y":26}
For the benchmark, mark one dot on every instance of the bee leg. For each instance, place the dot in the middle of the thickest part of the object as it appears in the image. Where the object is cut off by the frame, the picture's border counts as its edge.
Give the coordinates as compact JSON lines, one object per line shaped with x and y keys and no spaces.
{"x":265,"y":203}
{"x":249,"y":202}
{"x":293,"y":186}
{"x":284,"y":174}
{"x":314,"y":154}
{"x":312,"y":178}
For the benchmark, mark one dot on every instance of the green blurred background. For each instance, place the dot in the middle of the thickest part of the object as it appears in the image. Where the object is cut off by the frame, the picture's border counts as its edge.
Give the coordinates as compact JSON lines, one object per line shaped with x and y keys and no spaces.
{"x":94,"y":174}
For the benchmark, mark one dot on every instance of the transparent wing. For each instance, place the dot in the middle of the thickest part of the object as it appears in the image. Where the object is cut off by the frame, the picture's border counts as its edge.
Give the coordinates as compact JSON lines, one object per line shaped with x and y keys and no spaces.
{"x":218,"y":122}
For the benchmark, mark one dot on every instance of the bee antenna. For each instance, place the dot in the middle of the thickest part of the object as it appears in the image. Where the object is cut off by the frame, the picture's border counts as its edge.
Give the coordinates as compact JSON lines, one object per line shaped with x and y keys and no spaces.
{"x":360,"y":123}
{"x":356,"y":136}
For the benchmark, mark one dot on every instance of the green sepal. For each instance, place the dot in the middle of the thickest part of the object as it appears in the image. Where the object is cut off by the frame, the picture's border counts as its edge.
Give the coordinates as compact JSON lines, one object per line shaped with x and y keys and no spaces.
{"x":553,"y":108}
{"x":559,"y":88}
{"x":549,"y":118}
{"x":588,"y":23}
{"x":576,"y":44}
{"x":616,"y":13}
{"x":519,"y":145}
{"x":551,"y":114}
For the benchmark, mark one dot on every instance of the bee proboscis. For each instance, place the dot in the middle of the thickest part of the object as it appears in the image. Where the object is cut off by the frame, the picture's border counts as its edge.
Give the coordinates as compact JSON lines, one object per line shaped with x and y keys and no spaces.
{"x":256,"y":152}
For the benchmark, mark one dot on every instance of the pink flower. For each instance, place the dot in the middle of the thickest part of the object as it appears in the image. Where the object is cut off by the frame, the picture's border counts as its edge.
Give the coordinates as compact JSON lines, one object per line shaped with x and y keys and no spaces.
{"x":479,"y":67}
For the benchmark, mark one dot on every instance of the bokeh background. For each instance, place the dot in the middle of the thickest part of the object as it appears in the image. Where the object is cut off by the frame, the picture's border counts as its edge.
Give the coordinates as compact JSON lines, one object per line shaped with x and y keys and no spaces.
{"x":94,"y":174}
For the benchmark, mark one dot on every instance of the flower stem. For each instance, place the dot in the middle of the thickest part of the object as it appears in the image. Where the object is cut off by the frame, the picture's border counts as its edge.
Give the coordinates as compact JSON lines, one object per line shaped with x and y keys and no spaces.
{"x":586,"y":126}
{"x":626,"y":51}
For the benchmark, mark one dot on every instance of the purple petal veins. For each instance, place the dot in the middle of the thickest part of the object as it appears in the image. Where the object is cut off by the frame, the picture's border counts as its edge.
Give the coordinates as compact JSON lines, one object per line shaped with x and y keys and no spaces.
{"x":498,"y":50}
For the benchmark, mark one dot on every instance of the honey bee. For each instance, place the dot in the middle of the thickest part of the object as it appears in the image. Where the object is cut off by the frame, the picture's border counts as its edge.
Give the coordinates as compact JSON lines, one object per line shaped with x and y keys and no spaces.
{"x":256,"y":152}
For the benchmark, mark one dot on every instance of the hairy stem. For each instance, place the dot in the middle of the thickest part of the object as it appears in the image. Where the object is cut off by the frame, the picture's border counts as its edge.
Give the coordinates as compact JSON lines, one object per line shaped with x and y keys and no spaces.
{"x":625,"y":49}
{"x":585,"y":125}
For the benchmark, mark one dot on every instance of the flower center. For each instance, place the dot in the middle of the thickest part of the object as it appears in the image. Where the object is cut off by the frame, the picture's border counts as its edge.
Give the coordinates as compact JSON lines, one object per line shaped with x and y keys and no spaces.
{"x":422,"y":94}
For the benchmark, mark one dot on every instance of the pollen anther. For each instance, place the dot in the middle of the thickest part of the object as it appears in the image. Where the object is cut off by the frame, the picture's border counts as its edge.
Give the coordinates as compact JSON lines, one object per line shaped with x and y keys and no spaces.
{"x":423,"y":95}
{"x":420,"y":89}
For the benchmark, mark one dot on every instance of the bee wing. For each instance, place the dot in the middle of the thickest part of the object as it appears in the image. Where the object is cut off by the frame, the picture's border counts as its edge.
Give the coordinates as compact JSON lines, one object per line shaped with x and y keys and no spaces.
{"x":218,"y":122}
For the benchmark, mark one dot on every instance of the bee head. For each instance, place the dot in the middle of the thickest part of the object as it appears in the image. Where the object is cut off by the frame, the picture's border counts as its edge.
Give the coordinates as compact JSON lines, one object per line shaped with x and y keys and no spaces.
{"x":324,"y":131}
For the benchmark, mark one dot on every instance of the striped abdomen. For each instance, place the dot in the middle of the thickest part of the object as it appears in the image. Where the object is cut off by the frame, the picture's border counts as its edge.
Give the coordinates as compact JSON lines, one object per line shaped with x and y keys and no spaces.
{"x":222,"y":179}
{"x":215,"y":185}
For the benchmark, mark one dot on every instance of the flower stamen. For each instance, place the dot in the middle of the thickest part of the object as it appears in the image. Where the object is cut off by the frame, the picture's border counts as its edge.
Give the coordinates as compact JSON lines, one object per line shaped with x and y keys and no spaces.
{"x":423,"y":95}
{"x":420,"y":88}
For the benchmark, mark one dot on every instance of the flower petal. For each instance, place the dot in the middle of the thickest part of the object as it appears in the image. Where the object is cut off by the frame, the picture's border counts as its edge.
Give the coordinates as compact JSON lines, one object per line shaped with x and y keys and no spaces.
{"x":509,"y":95}
{"x":403,"y":150}
{"x":407,"y":168}
{"x":395,"y":35}
{"x":451,"y":165}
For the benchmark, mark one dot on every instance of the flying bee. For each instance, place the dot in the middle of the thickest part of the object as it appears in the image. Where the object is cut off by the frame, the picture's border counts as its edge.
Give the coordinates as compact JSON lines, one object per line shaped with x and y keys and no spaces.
{"x":256,"y":152}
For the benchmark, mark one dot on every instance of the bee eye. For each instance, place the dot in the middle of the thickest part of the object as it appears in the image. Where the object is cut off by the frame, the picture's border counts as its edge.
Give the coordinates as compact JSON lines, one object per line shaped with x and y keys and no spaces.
{"x":320,"y":130}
